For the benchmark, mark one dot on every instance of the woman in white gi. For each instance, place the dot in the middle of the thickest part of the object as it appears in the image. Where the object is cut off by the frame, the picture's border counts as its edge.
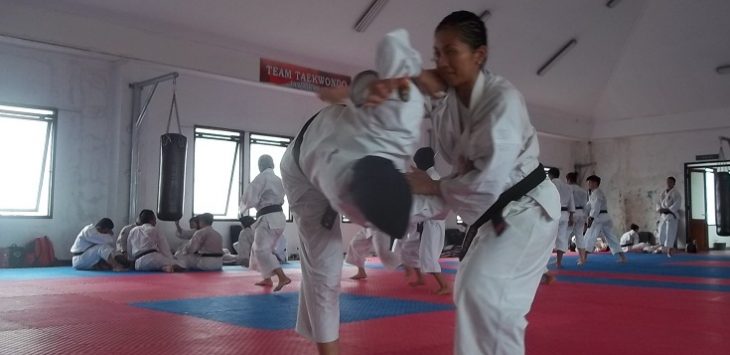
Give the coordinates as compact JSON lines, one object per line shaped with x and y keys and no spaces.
{"x":668,"y":208}
{"x":204,"y":250}
{"x":598,"y":223}
{"x":484,"y":132}
{"x":363,"y":244}
{"x":266,"y":194}
{"x":94,"y":248}
{"x":149,"y":247}
{"x":349,"y":160}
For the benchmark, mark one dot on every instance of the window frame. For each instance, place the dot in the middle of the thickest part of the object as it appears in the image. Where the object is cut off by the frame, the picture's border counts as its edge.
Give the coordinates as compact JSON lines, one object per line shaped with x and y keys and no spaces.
{"x":52,"y":135}
{"x":241,"y":151}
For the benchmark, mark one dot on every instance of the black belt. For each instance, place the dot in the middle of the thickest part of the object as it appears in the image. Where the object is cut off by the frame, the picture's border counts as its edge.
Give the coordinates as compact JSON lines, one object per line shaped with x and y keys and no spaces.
{"x":212,"y":255}
{"x":268,"y":210}
{"x":602,"y":211}
{"x":77,"y":254}
{"x":564,"y":209}
{"x":419,"y":229}
{"x":579,"y":208}
{"x":494,"y":213}
{"x":139,"y":255}
{"x":329,"y":217}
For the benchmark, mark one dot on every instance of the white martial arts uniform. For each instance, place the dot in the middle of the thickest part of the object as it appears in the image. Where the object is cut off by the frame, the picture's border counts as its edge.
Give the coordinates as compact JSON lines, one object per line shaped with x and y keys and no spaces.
{"x":243,"y":246}
{"x":265,"y":190}
{"x":280,"y":250}
{"x":580,"y":196}
{"x":203,"y":252}
{"x":567,"y":206}
{"x":499,"y":275}
{"x":91,"y":247}
{"x":597,"y":207}
{"x":333,"y":142}
{"x":363,"y":244}
{"x":145,"y":238}
{"x":630,"y":242}
{"x":423,"y":250}
{"x":668,"y":223}
{"x":122,"y":240}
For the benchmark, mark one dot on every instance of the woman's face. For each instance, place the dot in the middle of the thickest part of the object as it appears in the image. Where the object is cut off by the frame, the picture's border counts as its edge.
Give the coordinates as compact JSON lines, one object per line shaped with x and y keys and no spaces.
{"x":457,"y":63}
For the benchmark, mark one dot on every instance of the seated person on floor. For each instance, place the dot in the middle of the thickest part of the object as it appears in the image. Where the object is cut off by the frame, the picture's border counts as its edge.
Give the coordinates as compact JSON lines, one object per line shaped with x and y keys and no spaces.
{"x":94,"y":249}
{"x":245,"y":241}
{"x":149,"y":246}
{"x":204,"y":251}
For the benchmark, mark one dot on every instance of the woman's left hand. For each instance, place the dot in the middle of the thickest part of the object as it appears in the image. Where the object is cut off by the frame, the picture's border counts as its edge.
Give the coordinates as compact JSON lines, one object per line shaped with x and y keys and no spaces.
{"x":422,"y":184}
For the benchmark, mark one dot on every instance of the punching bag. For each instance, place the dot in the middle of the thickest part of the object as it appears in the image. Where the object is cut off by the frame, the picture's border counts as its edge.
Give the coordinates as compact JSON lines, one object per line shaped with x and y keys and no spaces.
{"x":173,"y":155}
{"x":722,"y":203}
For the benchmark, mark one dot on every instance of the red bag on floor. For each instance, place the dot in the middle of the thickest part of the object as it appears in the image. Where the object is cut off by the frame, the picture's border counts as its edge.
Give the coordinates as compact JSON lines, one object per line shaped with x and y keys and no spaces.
{"x":39,"y":252}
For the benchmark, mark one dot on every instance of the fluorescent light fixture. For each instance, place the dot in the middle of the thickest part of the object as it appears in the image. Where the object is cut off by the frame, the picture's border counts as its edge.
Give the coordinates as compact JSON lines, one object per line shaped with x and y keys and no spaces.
{"x":723,"y":69}
{"x":485,"y":15}
{"x":559,"y":54}
{"x":612,"y":3}
{"x":369,"y":15}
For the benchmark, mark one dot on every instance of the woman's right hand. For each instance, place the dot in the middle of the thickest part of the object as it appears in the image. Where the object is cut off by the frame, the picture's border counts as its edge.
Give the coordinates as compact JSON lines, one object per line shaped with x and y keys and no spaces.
{"x":428,"y":81}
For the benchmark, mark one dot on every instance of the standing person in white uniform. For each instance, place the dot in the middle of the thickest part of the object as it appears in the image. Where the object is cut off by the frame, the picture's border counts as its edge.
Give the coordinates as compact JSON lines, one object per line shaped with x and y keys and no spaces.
{"x":567,"y":209}
{"x":204,"y":251}
{"x":598,"y":223}
{"x":94,"y":249}
{"x":668,"y":208}
{"x":362,"y":245}
{"x":430,"y":234}
{"x":484,"y":132}
{"x":580,"y":197}
{"x":149,"y":247}
{"x":349,"y":159}
{"x":266,"y":194}
{"x":245,"y":241}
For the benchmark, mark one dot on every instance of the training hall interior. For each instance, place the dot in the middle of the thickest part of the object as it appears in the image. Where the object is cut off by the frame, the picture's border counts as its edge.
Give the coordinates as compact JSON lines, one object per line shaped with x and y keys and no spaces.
{"x":109,"y":108}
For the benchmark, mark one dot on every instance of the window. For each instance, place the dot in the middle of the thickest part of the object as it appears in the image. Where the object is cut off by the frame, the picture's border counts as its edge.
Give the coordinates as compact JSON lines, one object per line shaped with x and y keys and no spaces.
{"x":28,"y":190}
{"x":217,"y":175}
{"x":275,"y":146}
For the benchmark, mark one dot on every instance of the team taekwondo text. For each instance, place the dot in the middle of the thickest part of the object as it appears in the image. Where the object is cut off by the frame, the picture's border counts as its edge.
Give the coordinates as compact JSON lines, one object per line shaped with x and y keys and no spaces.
{"x":297,"y":77}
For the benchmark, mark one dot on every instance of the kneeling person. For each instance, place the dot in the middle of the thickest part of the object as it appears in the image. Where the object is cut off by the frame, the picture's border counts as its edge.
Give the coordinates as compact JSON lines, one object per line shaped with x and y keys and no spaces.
{"x":204,"y":251}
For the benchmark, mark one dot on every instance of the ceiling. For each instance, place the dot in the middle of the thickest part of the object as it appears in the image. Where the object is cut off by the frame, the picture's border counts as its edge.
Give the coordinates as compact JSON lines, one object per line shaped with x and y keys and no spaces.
{"x":640,"y":58}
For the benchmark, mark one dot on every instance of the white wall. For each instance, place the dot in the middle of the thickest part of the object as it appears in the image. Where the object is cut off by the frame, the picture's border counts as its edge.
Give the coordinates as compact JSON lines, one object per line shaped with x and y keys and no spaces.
{"x":634,"y":170}
{"x":84,"y":92}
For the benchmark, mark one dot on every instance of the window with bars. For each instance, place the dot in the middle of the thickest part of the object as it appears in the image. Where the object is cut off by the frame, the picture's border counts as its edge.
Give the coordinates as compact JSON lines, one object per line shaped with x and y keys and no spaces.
{"x":217,"y":172}
{"x":27,"y":140}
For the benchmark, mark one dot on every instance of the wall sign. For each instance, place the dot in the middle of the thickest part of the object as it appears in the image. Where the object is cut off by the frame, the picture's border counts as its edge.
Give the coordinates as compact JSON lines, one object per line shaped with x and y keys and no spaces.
{"x":294,"y":76}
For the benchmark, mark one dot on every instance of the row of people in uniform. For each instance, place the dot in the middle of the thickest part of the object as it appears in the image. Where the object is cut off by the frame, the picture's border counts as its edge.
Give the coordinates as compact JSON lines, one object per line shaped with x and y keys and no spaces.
{"x":585,"y":219}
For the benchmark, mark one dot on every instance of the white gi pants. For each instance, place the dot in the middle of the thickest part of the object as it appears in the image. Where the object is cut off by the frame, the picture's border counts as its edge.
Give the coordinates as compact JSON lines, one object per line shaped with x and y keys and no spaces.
{"x":153,"y":262}
{"x":408,"y":248}
{"x":601,"y":226}
{"x":579,"y":221}
{"x":667,"y":230}
{"x":318,"y":318}
{"x":266,"y":236}
{"x":562,"y":242}
{"x":362,"y":246}
{"x":498,"y":278}
{"x":202,"y":263}
{"x":92,"y":256}
{"x":432,"y":244}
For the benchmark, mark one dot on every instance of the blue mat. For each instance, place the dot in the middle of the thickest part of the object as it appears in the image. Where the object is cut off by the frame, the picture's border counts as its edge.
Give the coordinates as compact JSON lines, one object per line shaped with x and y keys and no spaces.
{"x":278,"y":311}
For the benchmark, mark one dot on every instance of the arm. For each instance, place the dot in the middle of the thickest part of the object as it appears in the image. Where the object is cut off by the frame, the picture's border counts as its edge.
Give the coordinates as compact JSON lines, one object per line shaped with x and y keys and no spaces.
{"x":252,"y":194}
{"x":94,"y":237}
{"x":676,"y":204}
{"x":195,"y":242}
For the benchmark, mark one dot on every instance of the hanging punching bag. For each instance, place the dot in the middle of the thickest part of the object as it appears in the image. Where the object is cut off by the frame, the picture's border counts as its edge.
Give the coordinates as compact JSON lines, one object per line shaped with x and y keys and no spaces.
{"x":722,"y":203}
{"x":173,"y":155}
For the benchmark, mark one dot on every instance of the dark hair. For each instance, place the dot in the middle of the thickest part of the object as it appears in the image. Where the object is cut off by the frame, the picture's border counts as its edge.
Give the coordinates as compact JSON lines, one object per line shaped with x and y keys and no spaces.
{"x":193,"y":219}
{"x":105,"y":223}
{"x":634,"y":227}
{"x":247,"y":221}
{"x":206,"y":218}
{"x":595,"y":179}
{"x":672,"y":178}
{"x":572,"y":177}
{"x":424,"y":158}
{"x":554,"y":173}
{"x":146,"y":216}
{"x":470,"y":27}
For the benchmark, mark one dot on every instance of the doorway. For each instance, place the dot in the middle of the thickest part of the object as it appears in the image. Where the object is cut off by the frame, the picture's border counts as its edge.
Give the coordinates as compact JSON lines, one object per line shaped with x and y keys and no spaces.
{"x":700,"y":204}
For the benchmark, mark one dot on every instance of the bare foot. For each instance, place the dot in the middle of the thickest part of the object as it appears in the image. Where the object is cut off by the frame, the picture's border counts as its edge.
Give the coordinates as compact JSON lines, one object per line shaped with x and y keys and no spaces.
{"x":168,"y":268}
{"x":416,"y":283}
{"x":282,"y":283}
{"x":359,"y":276}
{"x":547,"y":279}
{"x":265,"y":283}
{"x":443,"y":291}
{"x":409,"y":271}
